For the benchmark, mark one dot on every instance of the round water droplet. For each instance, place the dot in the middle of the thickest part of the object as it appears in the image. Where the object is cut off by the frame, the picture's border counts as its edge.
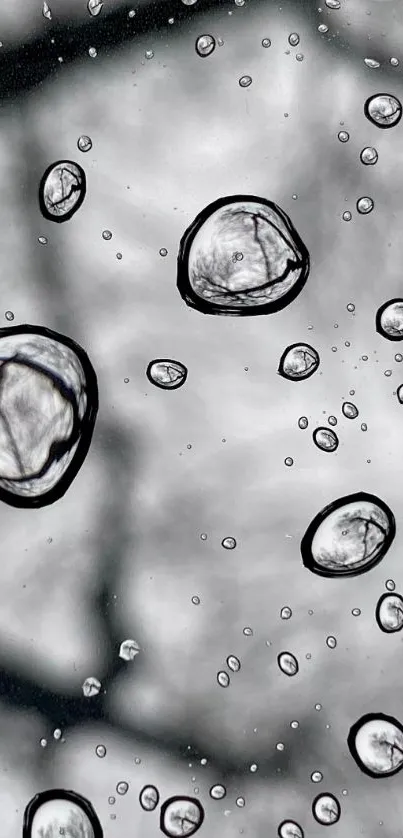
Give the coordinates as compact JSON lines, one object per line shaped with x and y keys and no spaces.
{"x":389,"y":319}
{"x":181,"y":815}
{"x":229,"y":543}
{"x":91,"y":687}
{"x":100,"y":751}
{"x":350,"y":411}
{"x":290,"y":829}
{"x":247,"y":631}
{"x":390,"y":585}
{"x":303,"y":422}
{"x":223,"y":679}
{"x":325,"y":439}
{"x":288,"y":663}
{"x":365,"y":205}
{"x":331,"y":642}
{"x":289,"y":461}
{"x":280,"y":746}
{"x":57,"y":734}
{"x":111,"y":800}
{"x":388,"y":373}
{"x":323,"y":28}
{"x":205,"y":45}
{"x":107,"y":235}
{"x":94,"y":7}
{"x":332,"y":420}
{"x":43,"y":743}
{"x":62,"y":190}
{"x":245,"y":81}
{"x":398,"y":357}
{"x":372,"y":63}
{"x":203,"y":536}
{"x":163,"y":251}
{"x":343,"y":136}
{"x":84,"y":143}
{"x":347,"y":215}
{"x":389,"y":612}
{"x":92,"y":52}
{"x":240,"y":801}
{"x":326,"y":809}
{"x":63,"y":813}
{"x":316,"y":776}
{"x":233,"y":663}
{"x":298,"y":362}
{"x":218,"y":791}
{"x":166,"y":374}
{"x":369,"y":156}
{"x":349,"y":536}
{"x":266,"y":42}
{"x":318,"y":707}
{"x":9,"y":315}
{"x":294,"y":724}
{"x":122,"y":787}
{"x":293,"y":39}
{"x":350,"y":307}
{"x":149,"y":798}
{"x":383,"y":110}
{"x":285,"y":613}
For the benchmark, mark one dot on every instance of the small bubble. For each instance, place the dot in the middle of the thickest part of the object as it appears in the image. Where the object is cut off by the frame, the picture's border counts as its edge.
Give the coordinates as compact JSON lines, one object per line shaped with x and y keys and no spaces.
{"x":294,"y":724}
{"x":356,"y":612}
{"x":398,"y":357}
{"x":247,"y":631}
{"x":128,"y":650}
{"x":245,"y":81}
{"x":326,"y":809}
{"x":299,"y":56}
{"x":318,"y":707}
{"x":203,"y":761}
{"x":205,"y":45}
{"x":107,"y":235}
{"x":84,"y":143}
{"x":343,"y":136}
{"x":308,"y":656}
{"x":325,"y":439}
{"x":347,"y":343}
{"x":293,"y":39}
{"x":347,"y":216}
{"x":289,"y":461}
{"x":332,"y":420}
{"x":122,"y":787}
{"x":229,"y":543}
{"x":288,"y":663}
{"x":316,"y":777}
{"x":111,"y":800}
{"x":203,"y":536}
{"x":349,"y":410}
{"x":92,"y":52}
{"x":119,"y":256}
{"x":303,"y":422}
{"x":163,"y":251}
{"x":390,"y":585}
{"x":331,"y":642}
{"x":9,"y":315}
{"x":333,"y":4}
{"x":126,"y":380}
{"x":132,"y":14}
{"x":352,"y":393}
{"x":240,"y":801}
{"x":364,"y":426}
{"x":388,"y":373}
{"x":91,"y":687}
{"x":285,"y":613}
{"x":322,"y":28}
{"x":42,"y":240}
{"x":344,"y":792}
{"x":369,"y":156}
{"x":223,"y":679}
{"x":266,"y":42}
{"x":253,"y":768}
{"x":394,"y":62}
{"x":233,"y":663}
{"x":365,"y":205}
{"x":218,"y":791}
{"x":57,"y":734}
{"x":196,"y":600}
{"x":364,"y":358}
{"x":280,"y":746}
{"x":350,"y":307}
{"x":100,"y":751}
{"x":43,"y":743}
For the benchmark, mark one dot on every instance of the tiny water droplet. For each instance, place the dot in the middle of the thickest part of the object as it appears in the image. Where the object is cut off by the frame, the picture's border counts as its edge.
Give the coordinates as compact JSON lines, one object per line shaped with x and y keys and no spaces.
{"x":245,"y":81}
{"x":223,"y":679}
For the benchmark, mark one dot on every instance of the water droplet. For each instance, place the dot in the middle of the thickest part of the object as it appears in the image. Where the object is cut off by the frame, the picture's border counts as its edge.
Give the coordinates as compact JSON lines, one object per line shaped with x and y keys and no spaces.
{"x":107,"y":235}
{"x":46,"y":11}
{"x":399,"y":393}
{"x":350,"y":307}
{"x":364,"y":358}
{"x":218,"y":791}
{"x":288,"y":663}
{"x":223,"y":679}
{"x":285,"y":613}
{"x":266,"y":42}
{"x":326,"y":809}
{"x":229,"y":543}
{"x":294,"y":724}
{"x":43,"y":743}
{"x":383,"y":110}
{"x":137,"y":760}
{"x":91,"y":687}
{"x":333,"y":4}
{"x":92,"y":52}
{"x":128,"y":650}
{"x":303,"y":422}
{"x":325,"y":439}
{"x":62,"y":190}
{"x":390,"y":585}
{"x":189,"y":2}
{"x":100,"y":751}
{"x":9,"y":315}
{"x":240,"y":801}
{"x":389,"y":612}
{"x":316,"y":776}
{"x":122,"y":787}
{"x":57,"y":734}
{"x":203,"y":536}
{"x":318,"y":707}
{"x":289,"y":461}
{"x":167,"y":374}
{"x":245,"y":81}
{"x":84,"y":143}
{"x":293,"y":39}
{"x":181,"y":815}
{"x":350,"y":410}
{"x":369,"y":156}
{"x":163,"y":251}
{"x":205,"y":45}
{"x":233,"y":663}
{"x":42,"y":240}
{"x":389,"y":319}
{"x":280,"y":746}
{"x":332,"y":420}
{"x":323,"y":28}
{"x":388,"y":373}
{"x":149,"y":798}
{"x":356,"y":612}
{"x":343,"y":136}
{"x":347,"y":216}
{"x":349,"y":536}
{"x":111,"y":800}
{"x":290,"y":829}
{"x":247,"y":631}
{"x":364,"y":426}
{"x":344,"y":792}
{"x":94,"y":7}
{"x":299,"y":56}
{"x":149,"y":54}
{"x":298,"y":361}
{"x":372,"y":63}
{"x":331,"y":642}
{"x":365,"y":205}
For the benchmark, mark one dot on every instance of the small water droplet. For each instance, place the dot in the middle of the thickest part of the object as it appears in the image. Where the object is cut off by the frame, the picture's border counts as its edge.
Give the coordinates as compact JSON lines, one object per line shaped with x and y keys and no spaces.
{"x":111,"y":800}
{"x":233,"y":663}
{"x":205,"y":45}
{"x":318,"y":707}
{"x":149,"y":54}
{"x":350,"y":307}
{"x":364,"y":426}
{"x":333,"y":4}
{"x":285,"y":613}
{"x":240,"y":801}
{"x":293,"y":39}
{"x":107,"y":235}
{"x":196,"y":600}
{"x":253,"y":768}
{"x":349,"y":410}
{"x":372,"y":63}
{"x":294,"y":724}
{"x":332,"y":420}
{"x":356,"y":612}
{"x":91,"y":687}
{"x":303,"y":422}
{"x":84,"y":143}
{"x":369,"y":156}
{"x":229,"y":543}
{"x":331,"y":642}
{"x":223,"y":679}
{"x":394,"y":62}
{"x":280,"y":746}
{"x":323,"y":28}
{"x":203,"y":536}
{"x":247,"y":631}
{"x":9,"y":315}
{"x":128,"y":650}
{"x":94,"y":7}
{"x":100,"y":751}
{"x":92,"y":52}
{"x":218,"y":791}
{"x":288,"y":663}
{"x":365,"y":205}
{"x":390,"y":585}
{"x":347,"y":215}
{"x":289,"y":461}
{"x":266,"y":42}
{"x":343,"y":136}
{"x":122,"y":787}
{"x":42,"y":240}
{"x":316,"y":776}
{"x":163,"y":251}
{"x":245,"y":81}
{"x":43,"y":743}
{"x":57,"y":734}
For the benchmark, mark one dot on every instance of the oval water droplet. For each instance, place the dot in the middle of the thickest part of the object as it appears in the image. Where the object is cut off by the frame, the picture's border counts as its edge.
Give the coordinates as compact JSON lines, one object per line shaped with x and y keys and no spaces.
{"x":298,"y":362}
{"x":376,"y":744}
{"x":369,"y":156}
{"x":223,"y":679}
{"x":383,"y":110}
{"x":365,"y":205}
{"x":325,"y":439}
{"x":181,"y":816}
{"x":229,"y":543}
{"x":233,"y":663}
{"x":326,"y":809}
{"x":288,"y":663}
{"x":205,"y":45}
{"x":389,"y":612}
{"x":218,"y":791}
{"x":350,"y":410}
{"x":149,"y":798}
{"x":166,"y":374}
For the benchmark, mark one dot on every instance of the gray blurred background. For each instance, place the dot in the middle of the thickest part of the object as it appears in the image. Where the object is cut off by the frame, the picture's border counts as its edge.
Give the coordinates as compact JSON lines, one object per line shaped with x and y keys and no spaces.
{"x":120,"y":556}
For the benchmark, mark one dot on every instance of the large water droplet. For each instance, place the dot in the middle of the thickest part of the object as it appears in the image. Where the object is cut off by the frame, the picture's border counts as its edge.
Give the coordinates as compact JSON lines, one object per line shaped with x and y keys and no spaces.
{"x":218,"y":791}
{"x":167,"y":374}
{"x":298,"y":362}
{"x":205,"y":45}
{"x":288,"y":663}
{"x":350,"y":410}
{"x":325,"y":439}
{"x":369,"y":156}
{"x":365,"y":205}
{"x":326,"y":809}
{"x":389,"y":319}
{"x":62,"y":190}
{"x":290,"y":829}
{"x":389,"y":612}
{"x":383,"y":110}
{"x":149,"y":798}
{"x":376,"y":744}
{"x":181,"y":816}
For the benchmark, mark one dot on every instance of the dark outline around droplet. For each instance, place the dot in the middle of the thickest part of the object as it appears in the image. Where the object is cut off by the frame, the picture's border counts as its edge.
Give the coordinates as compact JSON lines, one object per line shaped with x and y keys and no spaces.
{"x":149,"y":786}
{"x":326,"y":794}
{"x":83,"y":189}
{"x":193,"y":300}
{"x":180,"y":798}
{"x":86,"y":425}
{"x":289,"y":820}
{"x":354,"y":729}
{"x":378,"y":611}
{"x":308,"y":373}
{"x":328,"y":431}
{"x":60,"y":794}
{"x":379,"y":327}
{"x":306,"y":542}
{"x":180,"y":382}
{"x":289,"y":674}
{"x":213,"y":45}
{"x":369,"y":117}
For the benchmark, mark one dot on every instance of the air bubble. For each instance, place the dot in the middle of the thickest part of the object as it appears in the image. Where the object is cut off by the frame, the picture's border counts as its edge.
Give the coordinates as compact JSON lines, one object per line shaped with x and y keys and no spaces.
{"x":128,"y":650}
{"x":223,"y":679}
{"x":349,"y":536}
{"x":294,"y":724}
{"x":364,"y":426}
{"x":389,"y":319}
{"x":356,"y":612}
{"x":347,"y":216}
{"x":280,"y":746}
{"x":349,"y":409}
{"x":326,"y":809}
{"x":383,"y":110}
{"x":285,"y":613}
{"x":149,"y":798}
{"x":57,"y":734}
{"x":325,"y":439}
{"x":163,"y":251}
{"x":332,"y":420}
{"x":196,"y":600}
{"x":100,"y":751}
{"x":9,"y":315}
{"x":111,"y":800}
{"x":316,"y":776}
{"x":394,"y":62}
{"x":233,"y":663}
{"x":389,"y":612}
{"x":390,"y":585}
{"x":229,"y":543}
{"x":399,"y":393}
{"x":289,"y":461}
{"x":62,"y":190}
{"x":42,"y":240}
{"x":245,"y":81}
{"x":365,"y":205}
{"x":298,"y":362}
{"x":94,"y":7}
{"x":290,"y":829}
{"x":376,"y":744}
{"x":318,"y":707}
{"x":166,"y":374}
{"x":205,"y":45}
{"x":293,"y":39}
{"x":107,"y":235}
{"x":288,"y":663}
{"x":91,"y":687}
{"x":84,"y":143}
{"x":266,"y":42}
{"x":331,"y":642}
{"x":369,"y":156}
{"x":122,"y":787}
{"x":181,"y":815}
{"x":247,"y":631}
{"x":218,"y":791}
{"x":43,"y":743}
{"x":343,"y":136}
{"x":303,"y":422}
